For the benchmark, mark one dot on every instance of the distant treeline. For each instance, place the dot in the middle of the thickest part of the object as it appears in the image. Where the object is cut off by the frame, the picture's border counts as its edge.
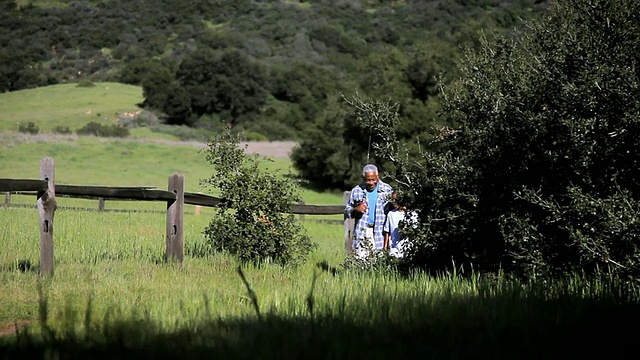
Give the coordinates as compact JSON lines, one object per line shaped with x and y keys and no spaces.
{"x":273,"y":69}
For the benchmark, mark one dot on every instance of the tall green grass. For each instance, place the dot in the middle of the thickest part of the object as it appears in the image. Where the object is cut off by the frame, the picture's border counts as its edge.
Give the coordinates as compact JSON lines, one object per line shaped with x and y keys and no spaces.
{"x":112,"y":295}
{"x":123,"y":253}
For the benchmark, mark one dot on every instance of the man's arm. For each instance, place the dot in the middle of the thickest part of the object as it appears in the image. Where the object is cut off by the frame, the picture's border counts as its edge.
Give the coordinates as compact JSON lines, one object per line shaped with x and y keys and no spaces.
{"x":350,"y":210}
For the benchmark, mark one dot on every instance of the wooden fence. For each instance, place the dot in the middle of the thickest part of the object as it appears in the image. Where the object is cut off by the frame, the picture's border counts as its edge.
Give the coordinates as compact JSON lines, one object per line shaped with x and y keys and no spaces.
{"x":46,"y":190}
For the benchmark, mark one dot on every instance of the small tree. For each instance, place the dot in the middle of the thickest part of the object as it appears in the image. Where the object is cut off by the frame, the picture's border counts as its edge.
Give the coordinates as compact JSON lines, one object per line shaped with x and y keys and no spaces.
{"x":254,"y":220}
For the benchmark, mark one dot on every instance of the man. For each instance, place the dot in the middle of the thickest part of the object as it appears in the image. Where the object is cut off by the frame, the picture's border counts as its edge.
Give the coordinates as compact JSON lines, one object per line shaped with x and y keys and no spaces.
{"x":367,"y":203}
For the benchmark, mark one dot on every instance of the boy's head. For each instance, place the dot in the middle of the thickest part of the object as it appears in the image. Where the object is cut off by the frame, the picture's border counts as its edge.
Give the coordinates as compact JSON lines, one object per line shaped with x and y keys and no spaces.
{"x":396,"y":204}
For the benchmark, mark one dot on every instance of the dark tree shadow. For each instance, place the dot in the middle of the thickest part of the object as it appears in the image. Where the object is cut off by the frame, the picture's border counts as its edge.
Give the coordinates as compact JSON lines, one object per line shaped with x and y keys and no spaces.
{"x":22,"y":265}
{"x":326,"y":267}
{"x":377,"y":325}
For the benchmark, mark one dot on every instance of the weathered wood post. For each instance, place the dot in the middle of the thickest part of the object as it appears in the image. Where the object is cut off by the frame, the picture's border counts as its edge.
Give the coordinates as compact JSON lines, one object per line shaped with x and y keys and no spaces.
{"x":100,"y":204}
{"x":46,"y":209}
{"x":7,"y":198}
{"x":348,"y":226}
{"x":175,"y":220}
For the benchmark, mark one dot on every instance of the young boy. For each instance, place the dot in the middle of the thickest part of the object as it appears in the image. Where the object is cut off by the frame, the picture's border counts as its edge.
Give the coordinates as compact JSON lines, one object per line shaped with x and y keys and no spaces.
{"x":393,"y":241}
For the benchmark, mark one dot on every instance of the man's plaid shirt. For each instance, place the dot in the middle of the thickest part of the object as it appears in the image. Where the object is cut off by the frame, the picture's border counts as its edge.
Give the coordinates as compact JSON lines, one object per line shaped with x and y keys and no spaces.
{"x":358,"y":194}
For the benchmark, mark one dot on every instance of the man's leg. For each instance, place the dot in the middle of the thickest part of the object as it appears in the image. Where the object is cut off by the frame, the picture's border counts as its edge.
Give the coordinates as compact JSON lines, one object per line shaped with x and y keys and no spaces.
{"x":368,"y":236}
{"x":360,"y":251}
{"x":368,"y":242}
{"x":365,"y":245}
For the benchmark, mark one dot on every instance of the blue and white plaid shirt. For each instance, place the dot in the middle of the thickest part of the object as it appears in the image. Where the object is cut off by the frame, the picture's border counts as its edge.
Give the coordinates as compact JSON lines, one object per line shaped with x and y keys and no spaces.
{"x":358,"y":193}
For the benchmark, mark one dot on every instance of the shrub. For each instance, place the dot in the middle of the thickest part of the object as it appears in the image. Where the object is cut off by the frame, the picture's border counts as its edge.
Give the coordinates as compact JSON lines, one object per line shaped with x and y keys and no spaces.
{"x":97,"y":129}
{"x":29,"y":128}
{"x":137,"y":119}
{"x":61,"y":130}
{"x":85,"y":83}
{"x":254,"y":220}
{"x":253,"y":136}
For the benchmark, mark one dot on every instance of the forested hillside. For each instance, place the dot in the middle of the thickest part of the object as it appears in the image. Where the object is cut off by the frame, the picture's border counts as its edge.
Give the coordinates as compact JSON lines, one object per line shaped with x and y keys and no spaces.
{"x":273,"y":69}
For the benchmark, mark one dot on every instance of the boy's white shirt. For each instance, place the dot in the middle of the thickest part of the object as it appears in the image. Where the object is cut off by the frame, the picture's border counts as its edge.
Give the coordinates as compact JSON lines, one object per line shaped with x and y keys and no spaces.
{"x":391,"y":226}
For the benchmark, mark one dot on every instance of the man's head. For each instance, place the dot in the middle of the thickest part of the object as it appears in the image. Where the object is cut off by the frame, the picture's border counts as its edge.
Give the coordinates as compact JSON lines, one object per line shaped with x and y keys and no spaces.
{"x":370,"y":176}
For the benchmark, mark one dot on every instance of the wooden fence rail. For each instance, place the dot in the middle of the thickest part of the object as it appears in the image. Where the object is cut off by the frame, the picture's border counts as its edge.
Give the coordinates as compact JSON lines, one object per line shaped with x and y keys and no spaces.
{"x":46,"y":190}
{"x":142,"y":194}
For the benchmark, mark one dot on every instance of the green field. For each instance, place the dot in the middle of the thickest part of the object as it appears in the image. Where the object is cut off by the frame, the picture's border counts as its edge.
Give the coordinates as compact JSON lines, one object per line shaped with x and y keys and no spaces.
{"x":103,"y":254}
{"x":142,"y":160}
{"x":67,"y":105}
{"x":113,"y":296}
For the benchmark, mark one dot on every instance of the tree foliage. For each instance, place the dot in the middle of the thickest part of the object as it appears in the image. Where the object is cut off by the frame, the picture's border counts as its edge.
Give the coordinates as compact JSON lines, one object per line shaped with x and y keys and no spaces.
{"x":541,"y":175}
{"x":275,"y":67}
{"x":336,"y":161}
{"x":227,"y":82}
{"x":254,"y":220}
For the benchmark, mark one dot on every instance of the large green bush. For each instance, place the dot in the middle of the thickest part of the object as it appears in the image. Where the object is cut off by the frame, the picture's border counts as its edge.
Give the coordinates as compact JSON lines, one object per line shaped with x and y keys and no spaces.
{"x":540,"y":177}
{"x":254,"y":220}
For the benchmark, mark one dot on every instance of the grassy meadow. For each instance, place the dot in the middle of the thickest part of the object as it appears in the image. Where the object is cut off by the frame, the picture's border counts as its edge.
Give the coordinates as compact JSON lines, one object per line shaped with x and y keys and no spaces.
{"x":144,"y":159}
{"x":113,"y":296}
{"x":67,"y":105}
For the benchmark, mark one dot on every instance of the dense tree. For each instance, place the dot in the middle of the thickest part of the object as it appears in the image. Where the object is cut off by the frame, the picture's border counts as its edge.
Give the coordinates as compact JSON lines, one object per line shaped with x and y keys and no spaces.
{"x":336,"y":161}
{"x":21,"y":68}
{"x":178,"y":106}
{"x":314,"y":50}
{"x":136,"y":70}
{"x":326,"y":160}
{"x":8,"y":5}
{"x":386,"y":71}
{"x":541,"y":176}
{"x":155,"y":86}
{"x":226,"y":82}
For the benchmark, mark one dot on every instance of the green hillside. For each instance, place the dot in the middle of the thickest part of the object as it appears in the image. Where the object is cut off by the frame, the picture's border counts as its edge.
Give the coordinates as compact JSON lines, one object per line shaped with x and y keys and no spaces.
{"x":273,"y":70}
{"x":145,"y":158}
{"x":67,"y":105}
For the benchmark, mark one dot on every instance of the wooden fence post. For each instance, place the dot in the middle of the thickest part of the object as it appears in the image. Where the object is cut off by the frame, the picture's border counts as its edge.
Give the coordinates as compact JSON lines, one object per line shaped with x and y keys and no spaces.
{"x":100,"y":204}
{"x":46,"y":209}
{"x":348,"y":226}
{"x":7,"y":198}
{"x":175,"y":220}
